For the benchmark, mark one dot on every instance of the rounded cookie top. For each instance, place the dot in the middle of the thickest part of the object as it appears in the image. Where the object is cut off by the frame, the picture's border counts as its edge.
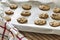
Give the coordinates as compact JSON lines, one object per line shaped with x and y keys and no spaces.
{"x":26,"y":13}
{"x":54,"y":24}
{"x":40,"y":22}
{"x":22,"y":20}
{"x":26,"y":7}
{"x":55,"y":16}
{"x":56,"y":10}
{"x":44,"y":7}
{"x":9,"y":12}
{"x":7,"y":18}
{"x":13,"y":6}
{"x":43,"y":15}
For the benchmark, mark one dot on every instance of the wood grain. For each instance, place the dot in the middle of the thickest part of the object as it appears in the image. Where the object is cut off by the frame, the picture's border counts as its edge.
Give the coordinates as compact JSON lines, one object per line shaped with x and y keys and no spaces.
{"x":38,"y":36}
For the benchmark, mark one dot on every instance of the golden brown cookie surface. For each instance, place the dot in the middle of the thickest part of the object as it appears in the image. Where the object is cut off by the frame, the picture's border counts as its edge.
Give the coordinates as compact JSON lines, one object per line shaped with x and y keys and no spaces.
{"x":13,"y":6}
{"x":26,"y":13}
{"x":22,"y":20}
{"x":7,"y":18}
{"x":54,"y":23}
{"x":40,"y":22}
{"x":9,"y":12}
{"x":44,"y":7}
{"x":56,"y":10}
{"x":43,"y":15}
{"x":56,"y":16}
{"x":26,"y":6}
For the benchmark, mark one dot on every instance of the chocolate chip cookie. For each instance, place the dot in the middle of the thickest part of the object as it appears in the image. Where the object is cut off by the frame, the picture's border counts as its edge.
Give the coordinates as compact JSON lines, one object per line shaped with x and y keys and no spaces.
{"x":55,"y":16}
{"x":26,"y":7}
{"x":43,"y":15}
{"x":44,"y":7}
{"x":7,"y":18}
{"x":13,"y":6}
{"x":26,"y":13}
{"x":22,"y":20}
{"x":56,"y":10}
{"x":40,"y":22}
{"x":9,"y":12}
{"x":54,"y":24}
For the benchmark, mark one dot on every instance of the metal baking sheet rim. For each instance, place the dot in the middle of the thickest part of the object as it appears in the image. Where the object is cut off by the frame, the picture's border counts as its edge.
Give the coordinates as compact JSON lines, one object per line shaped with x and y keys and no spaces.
{"x":37,"y":29}
{"x":42,"y":1}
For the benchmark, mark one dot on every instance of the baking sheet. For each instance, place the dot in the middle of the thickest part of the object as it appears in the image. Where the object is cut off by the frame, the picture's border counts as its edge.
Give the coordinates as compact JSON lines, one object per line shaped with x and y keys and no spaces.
{"x":35,"y":11}
{"x":42,"y":1}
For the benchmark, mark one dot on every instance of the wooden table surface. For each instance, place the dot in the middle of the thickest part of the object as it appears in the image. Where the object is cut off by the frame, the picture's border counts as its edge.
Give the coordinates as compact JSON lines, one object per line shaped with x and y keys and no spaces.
{"x":38,"y":36}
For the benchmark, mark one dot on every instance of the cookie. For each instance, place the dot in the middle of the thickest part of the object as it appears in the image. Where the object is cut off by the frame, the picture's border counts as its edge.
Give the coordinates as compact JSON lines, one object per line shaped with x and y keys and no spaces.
{"x":44,"y":7}
{"x":22,"y":20}
{"x":56,"y":10}
{"x":40,"y":22}
{"x":26,"y":13}
{"x":9,"y":12}
{"x":43,"y":15}
{"x":7,"y":18}
{"x":13,"y":6}
{"x":26,"y":7}
{"x":55,"y":16}
{"x":54,"y":24}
